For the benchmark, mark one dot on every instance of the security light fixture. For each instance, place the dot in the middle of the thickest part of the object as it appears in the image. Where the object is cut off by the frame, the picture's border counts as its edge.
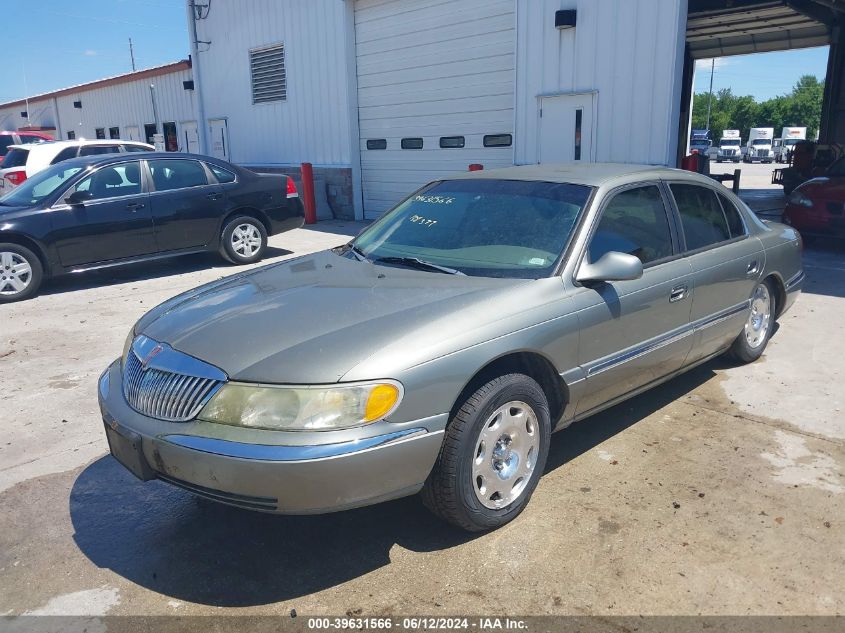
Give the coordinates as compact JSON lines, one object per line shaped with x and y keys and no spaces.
{"x":565,"y":19}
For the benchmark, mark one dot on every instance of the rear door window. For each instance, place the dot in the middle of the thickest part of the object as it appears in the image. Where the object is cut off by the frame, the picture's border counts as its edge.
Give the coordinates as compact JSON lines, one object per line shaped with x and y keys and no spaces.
{"x":136,"y":148}
{"x":96,"y":150}
{"x":634,"y":222}
{"x":702,"y":218}
{"x":15,"y":158}
{"x":66,"y":154}
{"x":177,"y":174}
{"x":732,"y":215}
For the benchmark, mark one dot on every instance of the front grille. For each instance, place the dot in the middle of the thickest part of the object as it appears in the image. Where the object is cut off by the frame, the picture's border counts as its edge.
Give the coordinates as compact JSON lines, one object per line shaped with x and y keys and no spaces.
{"x":167,"y":395}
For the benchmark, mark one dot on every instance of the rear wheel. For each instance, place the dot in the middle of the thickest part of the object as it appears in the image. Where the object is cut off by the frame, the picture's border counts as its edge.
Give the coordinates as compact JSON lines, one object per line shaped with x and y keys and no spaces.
{"x":755,"y":335}
{"x":21,"y":273}
{"x":492,"y":456}
{"x":244,"y":240}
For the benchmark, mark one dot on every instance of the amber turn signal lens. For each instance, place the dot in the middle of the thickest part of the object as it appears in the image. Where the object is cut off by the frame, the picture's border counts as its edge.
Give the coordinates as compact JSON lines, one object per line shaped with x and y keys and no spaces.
{"x":380,"y":401}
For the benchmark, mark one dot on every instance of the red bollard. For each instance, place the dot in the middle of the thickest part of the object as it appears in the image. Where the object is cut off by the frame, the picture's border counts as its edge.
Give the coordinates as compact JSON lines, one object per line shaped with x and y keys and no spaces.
{"x":308,"y":193}
{"x":476,"y":167}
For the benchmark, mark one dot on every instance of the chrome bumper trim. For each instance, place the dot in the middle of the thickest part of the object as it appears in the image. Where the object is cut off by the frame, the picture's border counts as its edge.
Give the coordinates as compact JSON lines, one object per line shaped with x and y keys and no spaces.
{"x":287,"y":453}
{"x":795,"y":280}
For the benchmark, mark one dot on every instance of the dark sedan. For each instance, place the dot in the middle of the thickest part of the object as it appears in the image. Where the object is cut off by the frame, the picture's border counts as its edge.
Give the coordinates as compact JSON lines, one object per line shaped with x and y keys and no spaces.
{"x":100,"y":211}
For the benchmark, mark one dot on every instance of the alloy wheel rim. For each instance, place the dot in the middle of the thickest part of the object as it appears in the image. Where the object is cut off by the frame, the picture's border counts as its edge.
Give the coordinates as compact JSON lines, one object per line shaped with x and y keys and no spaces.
{"x":505,"y":455}
{"x":15,"y":273}
{"x":246,"y":240}
{"x":759,"y":320}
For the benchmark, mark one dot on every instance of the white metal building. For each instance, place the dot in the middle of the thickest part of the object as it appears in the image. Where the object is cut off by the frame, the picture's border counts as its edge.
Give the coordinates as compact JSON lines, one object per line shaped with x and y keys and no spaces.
{"x":133,"y":106}
{"x":385,"y":95}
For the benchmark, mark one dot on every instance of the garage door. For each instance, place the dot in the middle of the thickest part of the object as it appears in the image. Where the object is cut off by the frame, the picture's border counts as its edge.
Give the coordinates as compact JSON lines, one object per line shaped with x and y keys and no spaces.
{"x":435,"y":91}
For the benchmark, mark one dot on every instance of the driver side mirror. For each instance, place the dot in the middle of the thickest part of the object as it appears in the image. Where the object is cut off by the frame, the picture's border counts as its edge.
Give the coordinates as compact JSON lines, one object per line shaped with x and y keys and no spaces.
{"x":78,"y":197}
{"x":612,"y":266}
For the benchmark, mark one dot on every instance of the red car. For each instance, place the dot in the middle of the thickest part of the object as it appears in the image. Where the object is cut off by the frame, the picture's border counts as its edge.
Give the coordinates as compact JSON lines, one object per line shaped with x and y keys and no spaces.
{"x":817,"y":207}
{"x":20,"y":138}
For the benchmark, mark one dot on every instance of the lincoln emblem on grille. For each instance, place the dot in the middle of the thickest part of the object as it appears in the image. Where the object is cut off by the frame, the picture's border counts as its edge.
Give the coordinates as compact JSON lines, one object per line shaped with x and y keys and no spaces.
{"x":153,"y":353}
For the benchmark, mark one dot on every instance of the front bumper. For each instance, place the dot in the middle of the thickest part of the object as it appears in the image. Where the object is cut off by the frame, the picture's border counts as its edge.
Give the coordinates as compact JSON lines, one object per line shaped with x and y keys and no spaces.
{"x":278,"y":473}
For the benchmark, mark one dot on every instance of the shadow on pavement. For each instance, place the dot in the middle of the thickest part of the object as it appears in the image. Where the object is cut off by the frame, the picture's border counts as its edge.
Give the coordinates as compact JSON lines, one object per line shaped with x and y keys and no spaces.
{"x":155,"y":269}
{"x":824,"y":265}
{"x":163,"y":539}
{"x":338,"y":227}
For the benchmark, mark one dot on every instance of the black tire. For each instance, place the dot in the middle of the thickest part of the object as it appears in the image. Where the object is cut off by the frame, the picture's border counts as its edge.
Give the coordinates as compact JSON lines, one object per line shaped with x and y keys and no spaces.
{"x":741,"y":349}
{"x":450,"y":490}
{"x":245,"y":223}
{"x":12,"y":256}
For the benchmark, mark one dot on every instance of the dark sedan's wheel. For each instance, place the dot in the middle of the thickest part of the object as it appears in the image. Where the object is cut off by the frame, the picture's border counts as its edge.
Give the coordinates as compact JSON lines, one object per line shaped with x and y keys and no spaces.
{"x":244,"y":240}
{"x":752,"y":341}
{"x":20,"y":273}
{"x":492,"y":456}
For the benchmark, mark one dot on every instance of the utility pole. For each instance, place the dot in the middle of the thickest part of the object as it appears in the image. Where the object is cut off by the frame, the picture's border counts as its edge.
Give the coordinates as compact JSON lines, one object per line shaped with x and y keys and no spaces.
{"x":710,"y":96}
{"x":132,"y":54}
{"x":202,"y":124}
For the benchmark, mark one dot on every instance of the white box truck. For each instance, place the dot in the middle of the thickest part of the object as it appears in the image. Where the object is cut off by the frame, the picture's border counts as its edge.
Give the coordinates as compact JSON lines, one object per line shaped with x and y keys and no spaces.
{"x":760,"y":145}
{"x":790,"y":136}
{"x":730,"y":147}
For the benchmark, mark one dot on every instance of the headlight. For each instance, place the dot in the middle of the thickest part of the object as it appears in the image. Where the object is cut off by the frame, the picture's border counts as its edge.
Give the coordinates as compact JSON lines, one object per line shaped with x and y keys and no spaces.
{"x":796,"y":197}
{"x":322,"y":408}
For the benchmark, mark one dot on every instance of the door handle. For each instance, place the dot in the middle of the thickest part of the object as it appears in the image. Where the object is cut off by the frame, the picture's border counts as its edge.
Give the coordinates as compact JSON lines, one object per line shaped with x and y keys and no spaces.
{"x":134,"y":206}
{"x":753,"y":268}
{"x":678,"y":293}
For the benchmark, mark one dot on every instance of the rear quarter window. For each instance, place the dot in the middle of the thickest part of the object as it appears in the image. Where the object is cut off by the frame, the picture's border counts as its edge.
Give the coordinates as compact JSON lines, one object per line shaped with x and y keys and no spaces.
{"x":222,"y":175}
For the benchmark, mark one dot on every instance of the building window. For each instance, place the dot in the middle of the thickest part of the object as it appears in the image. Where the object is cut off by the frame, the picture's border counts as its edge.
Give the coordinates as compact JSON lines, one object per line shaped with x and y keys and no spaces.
{"x":377,"y":143}
{"x":412,"y":143}
{"x":498,"y":140}
{"x":114,"y":132}
{"x":267,"y":72}
{"x":71,"y":135}
{"x":150,"y":130}
{"x":171,"y":139}
{"x":100,"y":133}
{"x":579,"y":116}
{"x":449,"y":142}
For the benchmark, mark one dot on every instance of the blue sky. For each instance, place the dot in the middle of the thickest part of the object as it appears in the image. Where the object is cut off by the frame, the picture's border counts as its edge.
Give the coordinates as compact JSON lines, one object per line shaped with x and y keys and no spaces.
{"x":58,"y":43}
{"x":763,"y":75}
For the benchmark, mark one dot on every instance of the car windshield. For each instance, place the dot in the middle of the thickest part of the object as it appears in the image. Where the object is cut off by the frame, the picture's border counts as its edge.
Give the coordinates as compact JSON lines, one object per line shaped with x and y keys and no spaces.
{"x":40,"y":187}
{"x":730,"y":142}
{"x":487,"y":228}
{"x":761,"y":141}
{"x":792,"y":141}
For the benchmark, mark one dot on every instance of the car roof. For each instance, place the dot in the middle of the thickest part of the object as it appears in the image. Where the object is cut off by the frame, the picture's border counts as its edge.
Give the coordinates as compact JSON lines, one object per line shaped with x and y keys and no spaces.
{"x":54,"y":147}
{"x":122,"y":158}
{"x":589,"y":174}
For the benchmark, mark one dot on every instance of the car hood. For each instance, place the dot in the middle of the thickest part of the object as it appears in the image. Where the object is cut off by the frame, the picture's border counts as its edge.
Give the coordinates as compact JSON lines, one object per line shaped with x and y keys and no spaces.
{"x":313,"y":319}
{"x":824,"y":187}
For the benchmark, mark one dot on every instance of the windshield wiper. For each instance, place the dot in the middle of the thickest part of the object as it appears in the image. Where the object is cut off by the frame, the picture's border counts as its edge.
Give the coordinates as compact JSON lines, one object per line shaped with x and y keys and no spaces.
{"x":358,"y":253}
{"x":416,"y":262}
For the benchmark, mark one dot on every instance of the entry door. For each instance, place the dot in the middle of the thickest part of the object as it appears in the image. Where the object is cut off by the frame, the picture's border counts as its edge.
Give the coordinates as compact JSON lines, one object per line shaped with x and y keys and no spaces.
{"x":219,"y":132}
{"x":132,"y":133}
{"x":566,"y":128}
{"x":189,"y":141}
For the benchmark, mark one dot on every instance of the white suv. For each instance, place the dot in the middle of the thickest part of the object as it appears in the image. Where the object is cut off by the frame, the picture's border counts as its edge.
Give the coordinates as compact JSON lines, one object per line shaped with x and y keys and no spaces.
{"x":22,"y":161}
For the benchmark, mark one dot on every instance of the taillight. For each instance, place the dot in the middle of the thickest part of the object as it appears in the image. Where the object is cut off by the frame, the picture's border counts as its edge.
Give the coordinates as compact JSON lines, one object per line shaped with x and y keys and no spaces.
{"x":292,"y":192}
{"x":15,"y":177}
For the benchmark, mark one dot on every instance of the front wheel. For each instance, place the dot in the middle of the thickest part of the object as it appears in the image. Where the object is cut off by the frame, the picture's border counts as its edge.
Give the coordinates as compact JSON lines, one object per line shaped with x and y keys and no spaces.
{"x":21,"y":273}
{"x":755,"y":335}
{"x":492,"y":456}
{"x":244,"y":240}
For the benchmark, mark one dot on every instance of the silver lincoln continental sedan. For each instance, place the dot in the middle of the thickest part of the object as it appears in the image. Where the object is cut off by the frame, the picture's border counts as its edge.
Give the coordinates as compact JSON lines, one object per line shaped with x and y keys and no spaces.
{"x":438,"y":350}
